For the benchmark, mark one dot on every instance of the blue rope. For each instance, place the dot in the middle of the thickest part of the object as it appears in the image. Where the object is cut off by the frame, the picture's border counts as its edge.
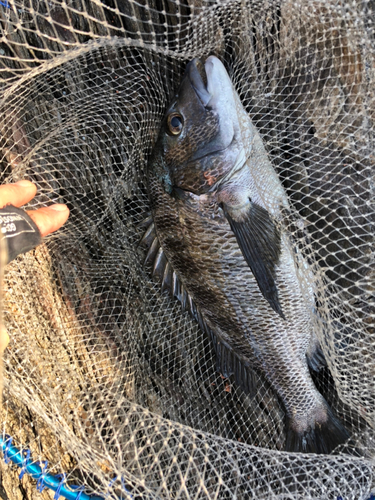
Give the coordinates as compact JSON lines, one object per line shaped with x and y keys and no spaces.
{"x":39,"y":472}
{"x":40,"y":482}
{"x":54,"y":482}
{"x":123,"y":484}
{"x":25,"y":461}
{"x":80,"y":490}
{"x":6,"y":449}
{"x":61,"y":484}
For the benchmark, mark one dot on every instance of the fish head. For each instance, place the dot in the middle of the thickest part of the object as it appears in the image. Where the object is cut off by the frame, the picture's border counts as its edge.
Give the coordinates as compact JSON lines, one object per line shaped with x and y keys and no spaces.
{"x":200,"y":138}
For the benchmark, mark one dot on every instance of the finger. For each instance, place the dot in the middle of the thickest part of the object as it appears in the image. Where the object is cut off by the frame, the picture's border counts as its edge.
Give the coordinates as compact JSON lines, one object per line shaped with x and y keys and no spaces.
{"x":49,"y":219}
{"x":4,"y":339}
{"x":17,"y":194}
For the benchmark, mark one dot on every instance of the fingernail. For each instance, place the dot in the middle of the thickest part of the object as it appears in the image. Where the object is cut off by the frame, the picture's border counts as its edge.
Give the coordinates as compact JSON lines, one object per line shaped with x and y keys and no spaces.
{"x":24,"y":183}
{"x":59,"y":207}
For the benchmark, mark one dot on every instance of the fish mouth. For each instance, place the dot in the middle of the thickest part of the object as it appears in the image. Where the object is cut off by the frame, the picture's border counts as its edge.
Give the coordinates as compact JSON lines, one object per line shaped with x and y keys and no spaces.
{"x":210,"y":83}
{"x":197,"y":75}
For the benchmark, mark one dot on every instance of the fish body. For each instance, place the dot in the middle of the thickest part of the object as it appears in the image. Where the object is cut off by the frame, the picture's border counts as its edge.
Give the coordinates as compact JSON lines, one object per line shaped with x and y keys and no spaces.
{"x":217,"y":241}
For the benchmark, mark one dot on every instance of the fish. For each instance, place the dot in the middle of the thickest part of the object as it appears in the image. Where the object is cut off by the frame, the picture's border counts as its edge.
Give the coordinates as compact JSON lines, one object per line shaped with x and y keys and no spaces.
{"x":217,"y":240}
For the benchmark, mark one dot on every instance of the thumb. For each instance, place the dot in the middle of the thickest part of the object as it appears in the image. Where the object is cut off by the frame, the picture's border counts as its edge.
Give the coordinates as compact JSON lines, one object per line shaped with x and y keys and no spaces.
{"x":49,"y":219}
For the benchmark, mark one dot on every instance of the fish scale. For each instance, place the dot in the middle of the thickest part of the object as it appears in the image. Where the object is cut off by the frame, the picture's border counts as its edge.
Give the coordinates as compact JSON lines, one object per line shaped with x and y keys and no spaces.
{"x":230,"y":258}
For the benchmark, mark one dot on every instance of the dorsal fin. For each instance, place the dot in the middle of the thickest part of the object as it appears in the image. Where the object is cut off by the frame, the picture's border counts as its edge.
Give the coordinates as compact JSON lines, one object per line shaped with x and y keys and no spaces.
{"x":161,"y":267}
{"x":167,"y":279}
{"x":227,"y":362}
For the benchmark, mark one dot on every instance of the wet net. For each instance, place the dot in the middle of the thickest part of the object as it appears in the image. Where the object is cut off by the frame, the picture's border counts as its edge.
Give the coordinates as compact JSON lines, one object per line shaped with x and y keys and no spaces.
{"x":107,"y":377}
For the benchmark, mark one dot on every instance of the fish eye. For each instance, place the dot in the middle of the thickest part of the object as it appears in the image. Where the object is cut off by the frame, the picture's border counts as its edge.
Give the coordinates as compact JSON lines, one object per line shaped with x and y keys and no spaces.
{"x":175,"y":124}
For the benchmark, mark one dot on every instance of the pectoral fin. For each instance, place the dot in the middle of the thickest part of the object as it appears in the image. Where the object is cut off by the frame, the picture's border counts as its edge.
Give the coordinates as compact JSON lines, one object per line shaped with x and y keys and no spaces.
{"x":259,"y":241}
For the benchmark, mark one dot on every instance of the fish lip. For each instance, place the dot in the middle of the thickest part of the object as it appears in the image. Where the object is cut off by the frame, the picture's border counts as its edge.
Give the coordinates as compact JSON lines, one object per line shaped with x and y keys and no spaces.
{"x":194,"y":71}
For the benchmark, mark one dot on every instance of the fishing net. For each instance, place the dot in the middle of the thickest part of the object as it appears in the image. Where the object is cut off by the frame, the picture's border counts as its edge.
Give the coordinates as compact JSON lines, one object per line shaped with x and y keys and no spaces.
{"x":106,"y":377}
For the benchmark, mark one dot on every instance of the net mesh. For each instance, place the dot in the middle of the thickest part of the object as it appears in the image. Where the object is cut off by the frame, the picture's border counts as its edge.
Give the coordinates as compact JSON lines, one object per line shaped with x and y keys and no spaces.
{"x":108,"y":378}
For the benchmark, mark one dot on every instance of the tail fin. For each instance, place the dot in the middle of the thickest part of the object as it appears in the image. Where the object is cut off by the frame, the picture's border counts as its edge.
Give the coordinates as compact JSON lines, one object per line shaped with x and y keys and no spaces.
{"x":322,"y":438}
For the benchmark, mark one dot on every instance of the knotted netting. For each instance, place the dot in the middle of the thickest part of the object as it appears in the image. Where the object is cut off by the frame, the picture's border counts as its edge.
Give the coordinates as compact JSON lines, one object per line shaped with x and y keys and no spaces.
{"x":106,"y":377}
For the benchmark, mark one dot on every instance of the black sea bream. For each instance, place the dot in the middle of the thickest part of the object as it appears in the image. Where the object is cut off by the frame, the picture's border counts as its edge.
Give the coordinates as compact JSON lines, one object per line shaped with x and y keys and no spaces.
{"x":216,"y":237}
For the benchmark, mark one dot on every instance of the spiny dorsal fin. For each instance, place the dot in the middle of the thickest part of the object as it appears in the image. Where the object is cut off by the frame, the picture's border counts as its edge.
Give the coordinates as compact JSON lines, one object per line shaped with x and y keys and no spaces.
{"x":160,"y":262}
{"x":161,"y":267}
{"x":152,"y":252}
{"x":227,"y":362}
{"x":149,"y":235}
{"x":167,"y":280}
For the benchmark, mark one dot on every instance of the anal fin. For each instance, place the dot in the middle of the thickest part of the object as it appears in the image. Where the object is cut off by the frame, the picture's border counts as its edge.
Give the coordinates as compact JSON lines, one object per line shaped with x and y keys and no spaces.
{"x":315,"y":356}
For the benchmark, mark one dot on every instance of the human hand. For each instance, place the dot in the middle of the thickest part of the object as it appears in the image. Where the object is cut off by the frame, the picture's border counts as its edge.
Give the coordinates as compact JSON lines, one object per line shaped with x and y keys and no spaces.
{"x":47,"y":219}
